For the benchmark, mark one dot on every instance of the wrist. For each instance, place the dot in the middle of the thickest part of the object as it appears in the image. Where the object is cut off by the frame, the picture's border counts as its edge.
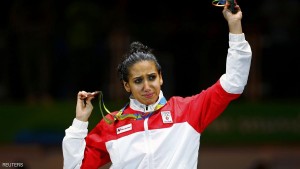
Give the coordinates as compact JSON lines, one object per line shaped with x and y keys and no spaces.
{"x":235,"y":27}
{"x":83,"y":119}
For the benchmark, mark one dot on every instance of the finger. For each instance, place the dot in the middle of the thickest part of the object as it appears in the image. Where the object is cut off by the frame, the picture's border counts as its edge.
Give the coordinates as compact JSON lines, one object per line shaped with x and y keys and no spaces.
{"x":96,"y":92}
{"x":90,"y":96}
{"x":81,"y":96}
{"x":93,"y":94}
{"x":226,"y":11}
{"x":226,"y":5}
{"x":237,"y":8}
{"x":84,"y":96}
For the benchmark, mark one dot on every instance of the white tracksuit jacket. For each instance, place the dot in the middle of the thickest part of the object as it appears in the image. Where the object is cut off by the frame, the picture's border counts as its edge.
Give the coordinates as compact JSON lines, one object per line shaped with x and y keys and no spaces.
{"x":170,"y":137}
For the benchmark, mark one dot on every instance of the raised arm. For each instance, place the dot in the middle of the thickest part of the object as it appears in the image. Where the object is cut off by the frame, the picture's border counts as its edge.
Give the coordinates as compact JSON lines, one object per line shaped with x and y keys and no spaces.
{"x":239,"y":54}
{"x":74,"y":141}
{"x":234,"y":80}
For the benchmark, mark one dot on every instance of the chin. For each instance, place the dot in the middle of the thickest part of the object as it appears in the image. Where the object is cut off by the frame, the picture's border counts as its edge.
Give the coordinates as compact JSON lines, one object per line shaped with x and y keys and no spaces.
{"x":150,"y":101}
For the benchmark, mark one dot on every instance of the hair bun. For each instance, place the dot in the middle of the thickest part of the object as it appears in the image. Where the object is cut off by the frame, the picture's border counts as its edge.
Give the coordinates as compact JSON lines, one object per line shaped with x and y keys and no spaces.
{"x":137,"y":46}
{"x":136,"y":52}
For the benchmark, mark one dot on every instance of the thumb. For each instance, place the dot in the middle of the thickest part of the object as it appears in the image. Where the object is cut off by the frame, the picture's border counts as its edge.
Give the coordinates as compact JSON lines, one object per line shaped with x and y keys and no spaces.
{"x":89,"y":100}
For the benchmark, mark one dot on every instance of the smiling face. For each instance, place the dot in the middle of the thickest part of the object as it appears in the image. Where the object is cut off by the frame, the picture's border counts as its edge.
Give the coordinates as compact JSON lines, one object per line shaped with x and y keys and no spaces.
{"x":144,"y":82}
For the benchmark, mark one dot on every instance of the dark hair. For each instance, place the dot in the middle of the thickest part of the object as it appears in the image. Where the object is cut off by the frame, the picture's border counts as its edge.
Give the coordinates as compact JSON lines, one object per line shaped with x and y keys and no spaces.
{"x":136,"y":53}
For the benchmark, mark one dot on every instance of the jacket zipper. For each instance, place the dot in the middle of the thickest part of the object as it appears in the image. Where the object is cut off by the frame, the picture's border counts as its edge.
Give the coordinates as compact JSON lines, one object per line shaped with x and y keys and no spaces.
{"x":148,"y":141}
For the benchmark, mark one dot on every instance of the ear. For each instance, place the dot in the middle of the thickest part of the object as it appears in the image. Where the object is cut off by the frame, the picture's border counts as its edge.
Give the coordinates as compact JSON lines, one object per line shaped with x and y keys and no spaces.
{"x":126,"y":86}
{"x":160,"y":79}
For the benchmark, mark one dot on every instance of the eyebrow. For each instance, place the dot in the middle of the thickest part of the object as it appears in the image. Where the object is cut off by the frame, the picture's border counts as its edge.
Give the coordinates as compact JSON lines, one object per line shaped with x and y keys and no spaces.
{"x":138,"y":77}
{"x":153,"y":73}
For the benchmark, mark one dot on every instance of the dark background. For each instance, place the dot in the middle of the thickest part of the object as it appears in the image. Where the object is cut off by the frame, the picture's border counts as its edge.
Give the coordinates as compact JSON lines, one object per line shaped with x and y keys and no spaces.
{"x":52,"y":49}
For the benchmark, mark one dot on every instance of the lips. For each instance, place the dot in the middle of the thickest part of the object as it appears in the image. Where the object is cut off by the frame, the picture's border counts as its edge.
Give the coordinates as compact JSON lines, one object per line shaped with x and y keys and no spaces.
{"x":148,"y":96}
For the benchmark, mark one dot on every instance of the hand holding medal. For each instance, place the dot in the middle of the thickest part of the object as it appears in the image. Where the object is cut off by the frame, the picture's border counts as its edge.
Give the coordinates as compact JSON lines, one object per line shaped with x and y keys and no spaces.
{"x":222,"y":3}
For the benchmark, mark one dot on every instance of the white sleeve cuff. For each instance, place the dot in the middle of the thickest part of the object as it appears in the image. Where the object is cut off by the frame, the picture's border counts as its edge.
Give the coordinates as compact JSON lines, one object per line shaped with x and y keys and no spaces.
{"x":77,"y":130}
{"x":236,"y":37}
{"x":80,"y":124}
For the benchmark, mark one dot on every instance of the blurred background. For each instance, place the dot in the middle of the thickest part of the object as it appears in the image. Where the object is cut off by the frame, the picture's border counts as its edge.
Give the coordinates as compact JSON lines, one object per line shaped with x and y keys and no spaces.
{"x":52,"y":49}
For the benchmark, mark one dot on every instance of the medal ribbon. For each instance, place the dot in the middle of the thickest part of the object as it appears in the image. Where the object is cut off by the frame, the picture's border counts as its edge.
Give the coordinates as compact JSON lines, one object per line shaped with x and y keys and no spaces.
{"x":221,"y":3}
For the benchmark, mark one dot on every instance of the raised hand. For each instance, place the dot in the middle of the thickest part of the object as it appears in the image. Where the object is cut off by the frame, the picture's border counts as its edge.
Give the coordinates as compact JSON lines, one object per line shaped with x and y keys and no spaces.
{"x":233,"y":19}
{"x":84,"y":105}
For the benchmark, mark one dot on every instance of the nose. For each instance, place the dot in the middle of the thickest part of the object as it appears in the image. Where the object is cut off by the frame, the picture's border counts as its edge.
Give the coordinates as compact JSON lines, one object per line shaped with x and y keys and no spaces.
{"x":146,"y":85}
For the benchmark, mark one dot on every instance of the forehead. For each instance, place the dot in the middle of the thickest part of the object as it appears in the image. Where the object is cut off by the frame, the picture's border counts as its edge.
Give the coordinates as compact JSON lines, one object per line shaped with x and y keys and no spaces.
{"x":142,"y":68}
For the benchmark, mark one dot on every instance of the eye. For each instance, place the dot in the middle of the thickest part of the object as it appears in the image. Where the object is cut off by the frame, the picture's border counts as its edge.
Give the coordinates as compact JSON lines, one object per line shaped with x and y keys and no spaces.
{"x":152,"y":77}
{"x":138,"y":80}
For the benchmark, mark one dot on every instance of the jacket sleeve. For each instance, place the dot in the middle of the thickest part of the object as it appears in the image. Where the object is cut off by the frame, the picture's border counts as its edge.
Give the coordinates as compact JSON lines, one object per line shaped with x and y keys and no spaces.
{"x":82,"y":150}
{"x":237,"y":64}
{"x":95,"y":153}
{"x":209,"y":104}
{"x":74,"y":144}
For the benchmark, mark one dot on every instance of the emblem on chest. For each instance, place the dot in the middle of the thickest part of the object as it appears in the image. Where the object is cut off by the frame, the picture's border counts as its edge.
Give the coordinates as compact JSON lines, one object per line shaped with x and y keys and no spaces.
{"x":166,"y":117}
